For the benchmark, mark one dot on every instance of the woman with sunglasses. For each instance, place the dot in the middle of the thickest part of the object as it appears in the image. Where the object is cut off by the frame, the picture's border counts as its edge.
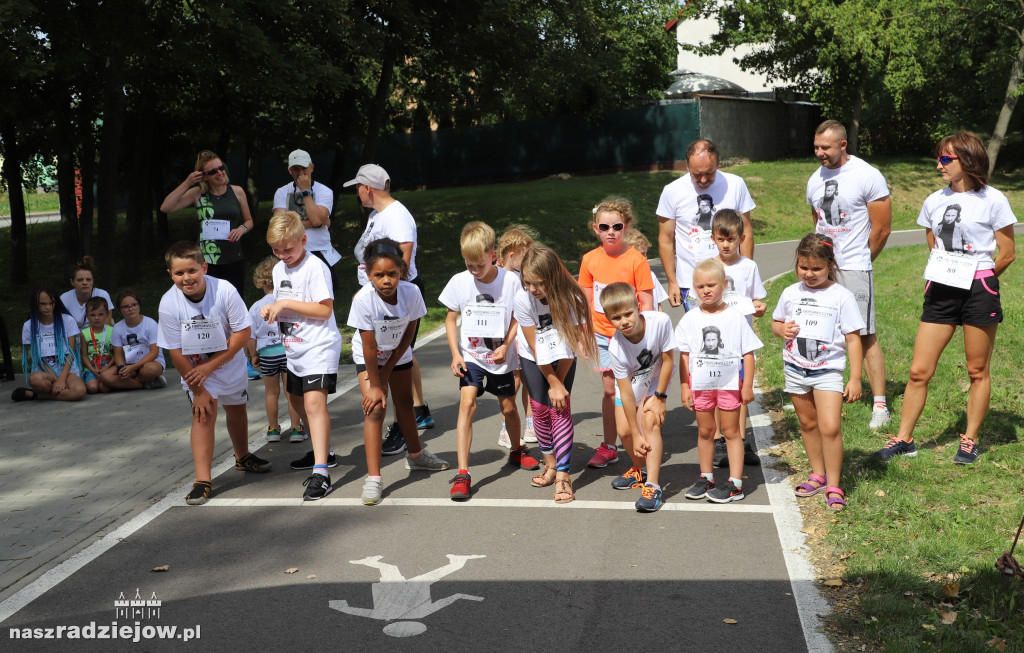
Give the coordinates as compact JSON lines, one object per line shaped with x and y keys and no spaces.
{"x":223,"y":213}
{"x":612,"y":261}
{"x":962,"y":288}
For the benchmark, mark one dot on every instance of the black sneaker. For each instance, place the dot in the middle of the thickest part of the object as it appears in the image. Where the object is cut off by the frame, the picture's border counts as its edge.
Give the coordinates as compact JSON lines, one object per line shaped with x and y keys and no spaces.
{"x":317,"y":487}
{"x":968,"y":452}
{"x":726,"y":493}
{"x":699,"y":490}
{"x":721,"y":457}
{"x":201,"y":491}
{"x":896,"y":447}
{"x":250,"y":462}
{"x":750,"y":457}
{"x":394,"y":441}
{"x":307,"y":461}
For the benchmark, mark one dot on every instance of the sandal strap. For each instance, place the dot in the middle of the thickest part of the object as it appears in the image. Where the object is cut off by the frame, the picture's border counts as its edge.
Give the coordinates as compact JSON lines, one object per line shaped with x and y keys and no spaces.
{"x":820,"y":480}
{"x":834,"y":490}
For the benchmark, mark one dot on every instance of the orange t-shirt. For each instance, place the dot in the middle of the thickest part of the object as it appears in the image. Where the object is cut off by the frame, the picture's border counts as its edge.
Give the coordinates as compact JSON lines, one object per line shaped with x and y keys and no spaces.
{"x":598,"y":269}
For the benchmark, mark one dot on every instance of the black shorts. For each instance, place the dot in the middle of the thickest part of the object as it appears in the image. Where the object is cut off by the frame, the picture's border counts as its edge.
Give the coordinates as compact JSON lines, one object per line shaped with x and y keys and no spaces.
{"x":978,"y":306}
{"x":537,"y":384}
{"x":360,"y":367}
{"x":300,"y":385}
{"x":499,"y":385}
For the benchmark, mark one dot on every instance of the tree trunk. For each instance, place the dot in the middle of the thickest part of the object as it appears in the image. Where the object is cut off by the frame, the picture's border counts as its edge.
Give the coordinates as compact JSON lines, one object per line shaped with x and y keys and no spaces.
{"x":853,"y":131}
{"x":68,"y":204}
{"x":140,"y":203}
{"x":15,"y":193}
{"x":375,"y":117}
{"x":253,"y":170}
{"x":88,"y":163}
{"x":1009,"y":104}
{"x":110,"y":147}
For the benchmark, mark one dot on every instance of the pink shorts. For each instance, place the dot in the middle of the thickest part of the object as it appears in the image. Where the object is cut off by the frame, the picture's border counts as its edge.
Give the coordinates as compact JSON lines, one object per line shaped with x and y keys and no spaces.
{"x":708,"y":400}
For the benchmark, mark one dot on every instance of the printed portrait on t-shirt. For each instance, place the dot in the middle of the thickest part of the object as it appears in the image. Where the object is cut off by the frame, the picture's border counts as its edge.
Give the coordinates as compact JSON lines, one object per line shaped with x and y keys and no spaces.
{"x":646,"y":360}
{"x":711,"y":340}
{"x":949,"y":232}
{"x":131,"y":339}
{"x":809,"y":348}
{"x":544,"y":322}
{"x":730,"y":285}
{"x":705,"y":211}
{"x":830,"y":208}
{"x":490,"y":343}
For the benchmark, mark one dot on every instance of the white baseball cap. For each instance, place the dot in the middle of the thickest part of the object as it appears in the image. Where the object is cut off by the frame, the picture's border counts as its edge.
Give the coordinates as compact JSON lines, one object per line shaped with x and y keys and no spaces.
{"x":373,"y":176}
{"x":299,"y":158}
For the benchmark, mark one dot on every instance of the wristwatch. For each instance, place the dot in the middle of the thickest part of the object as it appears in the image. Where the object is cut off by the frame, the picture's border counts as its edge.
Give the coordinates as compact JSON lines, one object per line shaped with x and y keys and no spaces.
{"x":660,"y":395}
{"x":306,"y":193}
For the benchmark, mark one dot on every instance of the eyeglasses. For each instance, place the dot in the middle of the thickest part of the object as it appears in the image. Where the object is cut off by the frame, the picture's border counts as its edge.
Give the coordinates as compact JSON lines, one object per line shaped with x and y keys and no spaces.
{"x":129,"y":307}
{"x":210,"y":173}
{"x":946,"y":159}
{"x":618,"y":226}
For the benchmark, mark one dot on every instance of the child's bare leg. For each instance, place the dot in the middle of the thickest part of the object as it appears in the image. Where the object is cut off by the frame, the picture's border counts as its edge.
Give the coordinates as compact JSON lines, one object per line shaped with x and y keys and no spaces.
{"x":92,"y":386}
{"x":40,"y":383}
{"x":271,"y":397}
{"x":402,"y":399}
{"x":830,"y":407}
{"x":705,"y":439}
{"x":807,"y":413}
{"x":510,"y":413}
{"x":319,"y":423}
{"x":149,"y":372}
{"x":733,"y":441}
{"x":201,"y":439}
{"x":417,"y":390}
{"x":373,"y":429}
{"x":652,"y":432}
{"x":296,"y":408}
{"x":627,"y":438}
{"x":293,"y":406}
{"x":464,"y":427}
{"x":238,"y":429}
{"x":608,"y":409}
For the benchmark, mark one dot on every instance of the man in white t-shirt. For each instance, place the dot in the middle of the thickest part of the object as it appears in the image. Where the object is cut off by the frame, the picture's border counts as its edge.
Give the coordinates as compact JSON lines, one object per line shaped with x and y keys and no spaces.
{"x":390,"y":219}
{"x":684,"y":210}
{"x":850,"y":203}
{"x":314,"y":203}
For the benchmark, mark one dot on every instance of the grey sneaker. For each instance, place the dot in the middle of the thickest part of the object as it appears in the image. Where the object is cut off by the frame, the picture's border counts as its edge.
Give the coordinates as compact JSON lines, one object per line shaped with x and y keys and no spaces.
{"x":426,"y":461}
{"x":968,"y":451}
{"x":896,"y":447}
{"x":879,"y":417}
{"x":372,"y":489}
{"x":726,"y":493}
{"x":699,"y":490}
{"x":155,"y":384}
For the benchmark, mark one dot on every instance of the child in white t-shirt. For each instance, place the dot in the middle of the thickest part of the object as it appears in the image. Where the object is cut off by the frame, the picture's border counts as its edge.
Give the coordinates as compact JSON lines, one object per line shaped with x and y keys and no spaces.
{"x":641,"y":359}
{"x":49,"y":357}
{"x":384,"y":313}
{"x":304,"y":313}
{"x":716,"y":368}
{"x":267,"y":352}
{"x":820,"y":322}
{"x":512,"y":247}
{"x":483,"y":355}
{"x":138,"y":360}
{"x":204,"y":326}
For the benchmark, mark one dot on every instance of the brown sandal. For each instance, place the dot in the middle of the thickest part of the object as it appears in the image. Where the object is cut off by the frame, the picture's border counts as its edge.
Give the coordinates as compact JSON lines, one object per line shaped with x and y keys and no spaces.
{"x":542,"y":479}
{"x":563,"y":487}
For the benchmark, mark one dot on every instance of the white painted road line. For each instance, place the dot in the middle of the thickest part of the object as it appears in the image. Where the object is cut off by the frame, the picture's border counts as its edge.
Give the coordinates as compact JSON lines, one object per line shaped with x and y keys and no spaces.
{"x":674,"y":506}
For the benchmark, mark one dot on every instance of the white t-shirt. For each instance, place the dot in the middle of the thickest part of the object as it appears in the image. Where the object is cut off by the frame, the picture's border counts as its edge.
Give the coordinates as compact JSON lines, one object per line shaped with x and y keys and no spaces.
{"x":312,"y":346}
{"x":832,"y":303}
{"x":135,"y":341}
{"x":692,"y":210}
{"x":843,"y":212}
{"x":532,"y":312}
{"x":220,"y":303}
{"x":641,"y":362}
{"x":974,"y":217}
{"x":48,"y":345}
{"x":744,"y":279}
{"x":715,"y":334}
{"x":318,"y":239}
{"x":394,"y":222}
{"x":463,"y":291}
{"x":660,"y":294}
{"x":388,"y":322}
{"x":77,"y":311}
{"x":263,"y":332}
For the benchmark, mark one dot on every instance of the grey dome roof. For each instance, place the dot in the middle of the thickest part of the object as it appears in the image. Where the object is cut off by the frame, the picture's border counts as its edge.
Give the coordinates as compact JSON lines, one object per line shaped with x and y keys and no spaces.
{"x":688,"y":83}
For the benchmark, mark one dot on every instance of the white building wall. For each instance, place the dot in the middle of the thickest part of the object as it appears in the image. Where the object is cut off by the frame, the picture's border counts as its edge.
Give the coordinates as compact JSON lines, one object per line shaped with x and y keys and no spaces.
{"x":694,"y":32}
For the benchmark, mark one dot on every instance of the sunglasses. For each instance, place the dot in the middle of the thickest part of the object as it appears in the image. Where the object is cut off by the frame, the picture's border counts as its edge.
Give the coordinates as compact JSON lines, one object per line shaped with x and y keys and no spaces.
{"x":210,"y":173}
{"x":618,"y":226}
{"x":946,"y":159}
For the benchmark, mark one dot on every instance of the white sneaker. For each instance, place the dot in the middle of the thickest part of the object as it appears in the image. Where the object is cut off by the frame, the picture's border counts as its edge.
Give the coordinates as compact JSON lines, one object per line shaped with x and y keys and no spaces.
{"x":156,"y":384}
{"x":426,"y":461}
{"x":372,"y":489}
{"x":879,"y":417}
{"x":503,"y":439}
{"x":529,"y":435}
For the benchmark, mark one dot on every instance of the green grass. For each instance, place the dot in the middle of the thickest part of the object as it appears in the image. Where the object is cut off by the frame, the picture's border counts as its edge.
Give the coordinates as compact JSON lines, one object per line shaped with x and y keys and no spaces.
{"x":920,"y":523}
{"x":34,"y":202}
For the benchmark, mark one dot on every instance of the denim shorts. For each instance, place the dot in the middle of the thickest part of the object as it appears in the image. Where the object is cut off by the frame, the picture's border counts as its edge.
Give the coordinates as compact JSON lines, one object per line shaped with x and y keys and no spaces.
{"x":800,"y":380}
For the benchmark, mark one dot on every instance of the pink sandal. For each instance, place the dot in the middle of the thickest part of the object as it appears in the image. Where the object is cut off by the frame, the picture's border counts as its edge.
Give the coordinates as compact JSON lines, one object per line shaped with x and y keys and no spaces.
{"x":832,"y":502}
{"x":812,"y":486}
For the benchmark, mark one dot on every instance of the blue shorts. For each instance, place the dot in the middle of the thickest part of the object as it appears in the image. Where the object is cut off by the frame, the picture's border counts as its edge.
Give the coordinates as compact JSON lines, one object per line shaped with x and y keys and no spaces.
{"x":603,"y":357}
{"x":87,"y":375}
{"x":499,"y":385}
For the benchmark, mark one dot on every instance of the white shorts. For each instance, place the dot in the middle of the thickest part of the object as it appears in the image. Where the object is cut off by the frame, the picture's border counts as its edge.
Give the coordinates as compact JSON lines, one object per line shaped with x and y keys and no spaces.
{"x":234,"y":399}
{"x":800,"y":381}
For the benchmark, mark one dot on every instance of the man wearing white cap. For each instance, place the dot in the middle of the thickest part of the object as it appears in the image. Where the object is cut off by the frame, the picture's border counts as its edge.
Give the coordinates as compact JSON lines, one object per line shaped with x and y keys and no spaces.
{"x":313,"y":202}
{"x":390,"y":219}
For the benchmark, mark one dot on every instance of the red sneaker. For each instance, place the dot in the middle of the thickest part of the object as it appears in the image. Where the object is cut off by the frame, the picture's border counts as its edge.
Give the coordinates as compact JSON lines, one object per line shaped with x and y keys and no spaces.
{"x":604,"y":456}
{"x":521,"y":457}
{"x":460,"y":487}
